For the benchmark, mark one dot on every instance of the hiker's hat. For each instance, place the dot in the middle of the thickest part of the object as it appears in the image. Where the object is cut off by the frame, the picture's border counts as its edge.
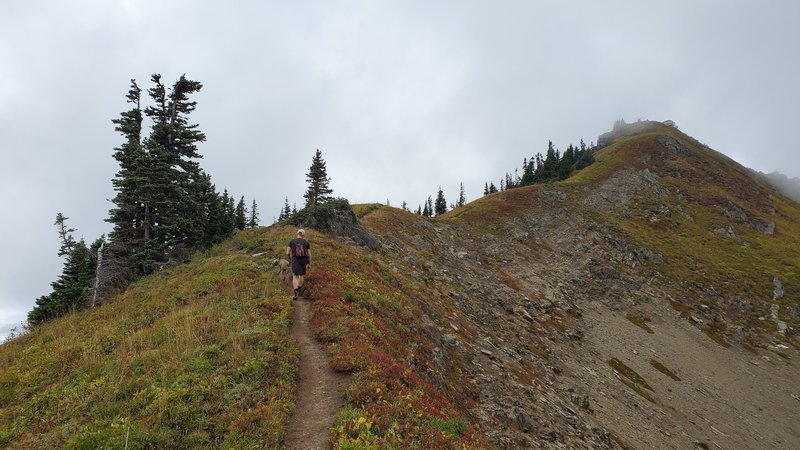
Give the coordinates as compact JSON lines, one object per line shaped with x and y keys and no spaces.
{"x":301,"y":232}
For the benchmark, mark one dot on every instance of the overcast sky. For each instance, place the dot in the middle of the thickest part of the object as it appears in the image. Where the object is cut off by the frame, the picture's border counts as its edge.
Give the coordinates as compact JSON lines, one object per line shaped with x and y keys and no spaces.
{"x":400,"y":96}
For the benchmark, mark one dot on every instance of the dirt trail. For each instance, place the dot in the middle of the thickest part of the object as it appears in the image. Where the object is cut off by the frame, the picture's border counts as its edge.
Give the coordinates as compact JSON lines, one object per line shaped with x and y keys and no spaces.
{"x":320,"y":388}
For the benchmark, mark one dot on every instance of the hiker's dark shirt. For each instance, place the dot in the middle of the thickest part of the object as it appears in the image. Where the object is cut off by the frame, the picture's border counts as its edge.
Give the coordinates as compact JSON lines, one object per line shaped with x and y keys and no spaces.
{"x":306,"y":246}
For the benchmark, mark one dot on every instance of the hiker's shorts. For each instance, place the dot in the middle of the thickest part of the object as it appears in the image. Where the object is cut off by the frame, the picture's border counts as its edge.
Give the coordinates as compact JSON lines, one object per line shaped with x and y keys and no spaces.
{"x":299,"y":266}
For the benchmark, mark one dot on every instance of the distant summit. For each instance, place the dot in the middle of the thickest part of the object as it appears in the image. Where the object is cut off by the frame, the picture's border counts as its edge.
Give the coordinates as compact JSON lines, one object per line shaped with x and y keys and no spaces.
{"x":622,"y":129}
{"x":787,"y":186}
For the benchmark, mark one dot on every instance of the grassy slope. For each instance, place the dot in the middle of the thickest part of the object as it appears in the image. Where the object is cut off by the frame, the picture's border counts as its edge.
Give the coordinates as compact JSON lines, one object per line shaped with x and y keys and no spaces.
{"x":365,"y":312}
{"x":702,"y":183}
{"x":200,"y":357}
{"x":196,"y":356}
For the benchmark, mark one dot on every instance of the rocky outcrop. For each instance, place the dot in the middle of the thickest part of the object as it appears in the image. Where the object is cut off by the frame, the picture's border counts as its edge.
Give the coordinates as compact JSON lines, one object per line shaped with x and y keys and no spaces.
{"x":337,"y":218}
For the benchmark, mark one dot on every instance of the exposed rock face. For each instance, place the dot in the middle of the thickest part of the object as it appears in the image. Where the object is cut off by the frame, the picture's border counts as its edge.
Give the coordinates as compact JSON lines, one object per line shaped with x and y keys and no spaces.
{"x":673,"y":145}
{"x":778,"y":288}
{"x":336,"y":217}
{"x":624,"y":185}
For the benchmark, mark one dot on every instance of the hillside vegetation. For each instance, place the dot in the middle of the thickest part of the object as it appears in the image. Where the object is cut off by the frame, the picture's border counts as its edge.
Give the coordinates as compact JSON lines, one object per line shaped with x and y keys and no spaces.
{"x":648,"y":301}
{"x":195,"y":356}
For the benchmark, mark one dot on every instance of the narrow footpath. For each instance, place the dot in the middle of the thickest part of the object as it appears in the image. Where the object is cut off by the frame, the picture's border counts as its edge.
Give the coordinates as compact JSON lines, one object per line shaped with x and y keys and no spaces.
{"x":320,"y":388}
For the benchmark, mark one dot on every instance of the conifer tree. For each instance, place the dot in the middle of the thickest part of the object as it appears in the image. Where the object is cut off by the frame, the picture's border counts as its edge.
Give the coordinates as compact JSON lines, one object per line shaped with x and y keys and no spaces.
{"x":218,"y":227}
{"x":318,"y":190}
{"x":240,"y":214}
{"x":228,"y":212}
{"x":527,"y":172}
{"x":441,"y":203}
{"x":566,"y":163}
{"x":286,"y":211}
{"x":64,"y":235}
{"x":71,"y":289}
{"x":132,"y":203}
{"x":492,"y":188}
{"x":462,"y":199}
{"x":485,"y":188}
{"x":253,"y":221}
{"x":419,"y":210}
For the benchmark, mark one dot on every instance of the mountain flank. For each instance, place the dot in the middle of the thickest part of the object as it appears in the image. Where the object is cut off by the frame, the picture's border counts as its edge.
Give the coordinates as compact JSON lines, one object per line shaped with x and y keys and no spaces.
{"x":648,"y":301}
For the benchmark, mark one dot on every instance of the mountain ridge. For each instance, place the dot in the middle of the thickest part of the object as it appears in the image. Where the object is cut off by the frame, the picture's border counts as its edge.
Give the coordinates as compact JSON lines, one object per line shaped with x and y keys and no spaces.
{"x":547,"y":316}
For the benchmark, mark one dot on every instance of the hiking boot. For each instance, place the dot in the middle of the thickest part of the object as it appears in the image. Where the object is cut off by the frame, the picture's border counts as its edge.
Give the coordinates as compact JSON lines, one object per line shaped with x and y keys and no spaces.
{"x":296,"y":294}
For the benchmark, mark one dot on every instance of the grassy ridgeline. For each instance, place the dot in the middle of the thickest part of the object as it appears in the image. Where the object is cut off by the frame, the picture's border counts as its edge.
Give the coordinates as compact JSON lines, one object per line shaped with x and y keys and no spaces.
{"x":195,"y":356}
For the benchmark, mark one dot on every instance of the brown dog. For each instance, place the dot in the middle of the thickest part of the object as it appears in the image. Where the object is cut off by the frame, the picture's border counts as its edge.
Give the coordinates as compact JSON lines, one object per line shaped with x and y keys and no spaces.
{"x":283,"y":271}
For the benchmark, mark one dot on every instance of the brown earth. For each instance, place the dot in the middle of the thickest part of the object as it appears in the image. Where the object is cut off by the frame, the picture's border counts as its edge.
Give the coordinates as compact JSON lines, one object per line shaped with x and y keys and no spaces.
{"x":319,"y":390}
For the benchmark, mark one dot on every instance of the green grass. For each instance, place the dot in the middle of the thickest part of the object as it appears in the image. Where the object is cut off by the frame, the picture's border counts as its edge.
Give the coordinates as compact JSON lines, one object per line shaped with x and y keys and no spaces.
{"x":196,"y":356}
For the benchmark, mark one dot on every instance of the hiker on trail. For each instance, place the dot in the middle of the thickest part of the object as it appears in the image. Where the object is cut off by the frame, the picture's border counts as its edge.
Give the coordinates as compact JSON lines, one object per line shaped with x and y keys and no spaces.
{"x":299,"y":251}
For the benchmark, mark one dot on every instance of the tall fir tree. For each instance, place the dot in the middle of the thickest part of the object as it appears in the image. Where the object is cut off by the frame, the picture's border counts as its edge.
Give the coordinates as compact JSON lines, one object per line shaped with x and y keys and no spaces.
{"x":252,"y":222}
{"x":241,"y":215}
{"x":72,"y":288}
{"x":441,"y":203}
{"x":462,"y":198}
{"x":64,"y":235}
{"x":228,"y":211}
{"x":318,"y":182}
{"x":131,"y":212}
{"x":286,"y":211}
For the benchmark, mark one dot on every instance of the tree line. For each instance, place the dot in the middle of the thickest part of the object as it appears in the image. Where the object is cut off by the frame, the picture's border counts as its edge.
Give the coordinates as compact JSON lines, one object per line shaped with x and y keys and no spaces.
{"x":554,"y":166}
{"x":165,"y":204}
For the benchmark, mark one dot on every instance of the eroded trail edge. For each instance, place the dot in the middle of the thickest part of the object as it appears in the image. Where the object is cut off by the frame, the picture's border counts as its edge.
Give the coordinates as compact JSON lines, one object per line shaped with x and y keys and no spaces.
{"x":319,"y":390}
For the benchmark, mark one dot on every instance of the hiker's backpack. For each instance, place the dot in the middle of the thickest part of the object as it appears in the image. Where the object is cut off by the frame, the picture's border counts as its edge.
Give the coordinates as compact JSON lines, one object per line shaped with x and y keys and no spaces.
{"x":299,"y":250}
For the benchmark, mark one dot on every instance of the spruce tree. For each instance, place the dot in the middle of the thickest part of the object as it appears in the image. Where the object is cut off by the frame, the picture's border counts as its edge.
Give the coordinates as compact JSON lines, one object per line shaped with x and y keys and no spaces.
{"x":228,"y":212}
{"x":462,"y":199}
{"x":318,"y":190}
{"x":129,"y":217}
{"x":64,"y":235}
{"x":218,"y":222}
{"x":492,"y":188}
{"x":527,"y":172}
{"x":419,"y":210}
{"x":566,"y":163}
{"x":441,"y":203}
{"x":286,"y":212}
{"x":72,"y":288}
{"x":240,"y":214}
{"x":485,"y":188}
{"x":253,"y":221}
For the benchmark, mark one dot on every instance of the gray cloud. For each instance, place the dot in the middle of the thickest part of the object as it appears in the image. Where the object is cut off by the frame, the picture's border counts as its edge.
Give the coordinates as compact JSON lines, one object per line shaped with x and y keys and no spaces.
{"x":401,"y":97}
